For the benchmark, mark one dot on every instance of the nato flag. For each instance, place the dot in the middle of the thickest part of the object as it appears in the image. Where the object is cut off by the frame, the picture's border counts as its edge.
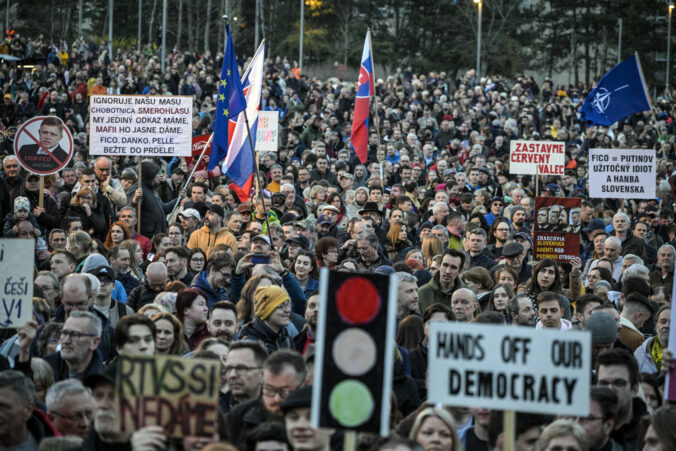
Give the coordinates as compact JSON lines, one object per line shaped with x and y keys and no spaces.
{"x":620,"y":93}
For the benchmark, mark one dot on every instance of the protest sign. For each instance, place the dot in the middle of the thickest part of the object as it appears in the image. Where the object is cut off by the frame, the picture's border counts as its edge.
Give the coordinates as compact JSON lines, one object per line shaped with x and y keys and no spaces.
{"x":536,"y":157}
{"x":354,"y":352}
{"x":181,"y":395}
{"x":16,"y":267}
{"x":198,"y":143}
{"x":149,"y":126}
{"x":622,"y":173}
{"x":266,"y":131}
{"x":509,"y":368}
{"x":557,"y":228}
{"x":43,"y":145}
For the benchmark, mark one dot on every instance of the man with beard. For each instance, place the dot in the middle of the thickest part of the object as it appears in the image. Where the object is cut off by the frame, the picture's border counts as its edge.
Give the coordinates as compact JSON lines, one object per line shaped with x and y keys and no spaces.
{"x":519,"y":219}
{"x":650,"y":354}
{"x":120,"y":261}
{"x":104,"y":434}
{"x":213,"y":232}
{"x":283,"y":372}
{"x":177,"y":264}
{"x":308,"y":335}
{"x":222,"y":320}
{"x":520,"y":309}
{"x":243,"y":373}
{"x":550,"y":310}
{"x":407,"y":295}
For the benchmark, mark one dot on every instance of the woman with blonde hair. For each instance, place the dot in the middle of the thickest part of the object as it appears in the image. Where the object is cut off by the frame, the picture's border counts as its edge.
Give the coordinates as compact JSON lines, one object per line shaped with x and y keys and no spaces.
{"x":563,"y":434}
{"x":434,"y":429}
{"x":169,"y":335}
{"x":85,"y":207}
{"x":80,"y":244}
{"x":431,"y":246}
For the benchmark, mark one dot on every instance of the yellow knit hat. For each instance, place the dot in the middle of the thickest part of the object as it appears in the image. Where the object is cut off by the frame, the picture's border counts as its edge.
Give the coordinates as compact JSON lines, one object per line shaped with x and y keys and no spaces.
{"x":267,"y":299}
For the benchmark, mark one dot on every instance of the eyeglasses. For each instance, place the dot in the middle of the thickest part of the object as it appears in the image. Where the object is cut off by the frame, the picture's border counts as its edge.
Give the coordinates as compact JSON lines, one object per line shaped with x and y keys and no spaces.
{"x":502,"y":230}
{"x":105,"y":281}
{"x":240,"y":370}
{"x":617,"y":383}
{"x":285,"y":305}
{"x":73,"y":335}
{"x":198,"y":260}
{"x":76,"y":417}
{"x":271,"y":392}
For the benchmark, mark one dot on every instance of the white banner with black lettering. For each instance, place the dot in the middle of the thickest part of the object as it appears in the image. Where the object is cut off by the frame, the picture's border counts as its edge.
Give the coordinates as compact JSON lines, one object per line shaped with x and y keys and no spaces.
{"x":622,"y":173}
{"x":509,"y":368}
{"x":149,"y":126}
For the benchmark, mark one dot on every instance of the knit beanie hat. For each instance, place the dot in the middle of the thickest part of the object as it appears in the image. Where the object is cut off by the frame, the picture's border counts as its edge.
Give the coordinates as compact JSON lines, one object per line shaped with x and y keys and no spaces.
{"x":21,"y":203}
{"x":267,"y":299}
{"x":602,"y":327}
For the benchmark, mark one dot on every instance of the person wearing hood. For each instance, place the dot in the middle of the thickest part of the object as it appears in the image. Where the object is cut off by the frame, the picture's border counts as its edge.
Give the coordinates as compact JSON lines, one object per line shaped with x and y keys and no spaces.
{"x":153,"y":210}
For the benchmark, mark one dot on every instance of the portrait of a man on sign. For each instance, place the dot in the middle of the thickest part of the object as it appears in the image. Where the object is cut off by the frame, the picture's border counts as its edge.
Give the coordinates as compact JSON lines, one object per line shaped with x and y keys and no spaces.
{"x":44,"y":153}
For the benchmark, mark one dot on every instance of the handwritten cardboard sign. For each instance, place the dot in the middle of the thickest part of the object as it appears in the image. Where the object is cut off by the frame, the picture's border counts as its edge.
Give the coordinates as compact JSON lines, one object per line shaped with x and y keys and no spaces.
{"x":181,"y":395}
{"x":16,"y":279}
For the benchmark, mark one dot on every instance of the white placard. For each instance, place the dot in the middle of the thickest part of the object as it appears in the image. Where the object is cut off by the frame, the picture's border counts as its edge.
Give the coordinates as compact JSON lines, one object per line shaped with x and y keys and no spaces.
{"x":149,"y":126}
{"x":267,"y":131}
{"x":536,"y":157}
{"x":622,"y":173}
{"x":509,"y":368}
{"x":16,"y":277}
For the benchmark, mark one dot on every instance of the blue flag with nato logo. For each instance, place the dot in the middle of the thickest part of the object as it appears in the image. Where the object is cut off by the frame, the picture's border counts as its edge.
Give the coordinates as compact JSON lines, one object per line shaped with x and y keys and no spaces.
{"x":620,"y":93}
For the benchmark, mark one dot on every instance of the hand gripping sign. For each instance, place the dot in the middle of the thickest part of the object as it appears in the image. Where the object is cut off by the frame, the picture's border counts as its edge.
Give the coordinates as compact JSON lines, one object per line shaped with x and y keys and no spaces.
{"x":43,"y":145}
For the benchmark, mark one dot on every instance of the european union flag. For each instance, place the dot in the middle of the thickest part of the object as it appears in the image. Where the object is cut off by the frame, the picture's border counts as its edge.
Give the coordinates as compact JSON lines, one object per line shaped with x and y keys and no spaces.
{"x":620,"y":93}
{"x":229,"y":104}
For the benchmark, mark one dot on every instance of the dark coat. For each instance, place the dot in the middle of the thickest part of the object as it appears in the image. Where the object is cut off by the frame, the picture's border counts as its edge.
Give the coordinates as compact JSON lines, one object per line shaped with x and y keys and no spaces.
{"x":243,"y":418}
{"x":92,"y":442}
{"x":213,"y":296}
{"x":96,"y":221}
{"x":153,"y":210}
{"x":140,"y":296}
{"x":28,"y":153}
{"x":60,"y":368}
{"x":258,"y":330}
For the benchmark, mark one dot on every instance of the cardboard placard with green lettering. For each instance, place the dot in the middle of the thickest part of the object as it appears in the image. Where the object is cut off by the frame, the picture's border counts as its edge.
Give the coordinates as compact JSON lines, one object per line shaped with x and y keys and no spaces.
{"x":179,"y":394}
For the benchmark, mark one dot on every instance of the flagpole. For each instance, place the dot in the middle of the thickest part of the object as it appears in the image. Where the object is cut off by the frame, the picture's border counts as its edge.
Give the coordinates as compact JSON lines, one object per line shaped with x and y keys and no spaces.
{"x":192,"y":173}
{"x":375,"y":95}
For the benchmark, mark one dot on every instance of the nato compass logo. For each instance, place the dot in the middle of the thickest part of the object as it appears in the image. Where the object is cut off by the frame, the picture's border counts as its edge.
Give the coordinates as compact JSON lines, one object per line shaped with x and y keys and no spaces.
{"x":601,"y":99}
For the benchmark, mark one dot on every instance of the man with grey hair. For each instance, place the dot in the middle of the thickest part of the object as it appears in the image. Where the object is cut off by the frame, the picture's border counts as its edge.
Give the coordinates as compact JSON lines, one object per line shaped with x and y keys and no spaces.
{"x":108,"y":186}
{"x":630,"y":244}
{"x":407,"y":295}
{"x":662,"y":278}
{"x":80,"y":339}
{"x":636,"y":270}
{"x":20,"y":428}
{"x":370,"y":257}
{"x":629,"y":260}
{"x":612,"y":248}
{"x":69,"y":407}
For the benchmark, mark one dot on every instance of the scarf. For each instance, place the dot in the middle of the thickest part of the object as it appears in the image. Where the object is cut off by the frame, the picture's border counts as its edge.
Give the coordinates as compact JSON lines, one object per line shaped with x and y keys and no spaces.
{"x":656,"y":353}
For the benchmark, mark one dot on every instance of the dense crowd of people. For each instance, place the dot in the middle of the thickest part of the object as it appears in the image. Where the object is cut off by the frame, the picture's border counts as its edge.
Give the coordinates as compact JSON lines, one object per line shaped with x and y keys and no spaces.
{"x":202,"y":273}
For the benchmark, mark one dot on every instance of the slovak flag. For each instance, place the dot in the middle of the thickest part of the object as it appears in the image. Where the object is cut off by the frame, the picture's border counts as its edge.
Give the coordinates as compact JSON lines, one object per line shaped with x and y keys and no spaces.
{"x":360,"y":118}
{"x":239,"y":161}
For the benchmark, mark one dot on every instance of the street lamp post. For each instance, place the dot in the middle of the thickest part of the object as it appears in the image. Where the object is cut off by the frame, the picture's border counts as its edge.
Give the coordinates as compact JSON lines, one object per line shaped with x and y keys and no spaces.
{"x":479,"y":4}
{"x":666,"y":78}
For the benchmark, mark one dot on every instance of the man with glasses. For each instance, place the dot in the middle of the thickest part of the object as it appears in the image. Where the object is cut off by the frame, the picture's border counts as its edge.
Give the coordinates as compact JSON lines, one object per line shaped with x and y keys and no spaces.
{"x":103,"y":301}
{"x":617,"y":369}
{"x":283,"y":372}
{"x":110,"y":187}
{"x":214,"y":281}
{"x":601,"y":419}
{"x":272,"y":310}
{"x":243,"y":373}
{"x":69,"y":407}
{"x":514,"y":255}
{"x":80,"y":339}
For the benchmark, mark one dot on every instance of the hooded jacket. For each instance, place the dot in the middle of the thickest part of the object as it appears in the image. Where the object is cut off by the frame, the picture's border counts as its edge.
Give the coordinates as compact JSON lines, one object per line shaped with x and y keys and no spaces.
{"x":153,"y":210}
{"x":205,"y":239}
{"x":213,"y":296}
